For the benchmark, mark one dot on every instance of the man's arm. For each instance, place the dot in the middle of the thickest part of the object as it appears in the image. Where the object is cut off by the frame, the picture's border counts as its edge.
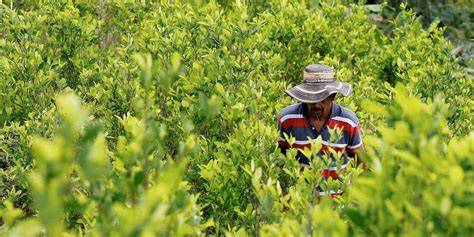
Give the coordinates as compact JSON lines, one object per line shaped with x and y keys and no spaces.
{"x":355,"y":145}
{"x":282,"y":143}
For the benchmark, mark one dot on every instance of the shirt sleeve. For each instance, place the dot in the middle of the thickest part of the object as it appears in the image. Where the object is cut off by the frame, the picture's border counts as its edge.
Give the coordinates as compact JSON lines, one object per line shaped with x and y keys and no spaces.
{"x":355,"y":142}
{"x":282,"y":143}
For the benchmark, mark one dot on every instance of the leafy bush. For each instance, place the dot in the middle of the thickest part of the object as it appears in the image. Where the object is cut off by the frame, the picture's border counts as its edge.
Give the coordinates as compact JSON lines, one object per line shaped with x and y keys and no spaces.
{"x":416,"y":173}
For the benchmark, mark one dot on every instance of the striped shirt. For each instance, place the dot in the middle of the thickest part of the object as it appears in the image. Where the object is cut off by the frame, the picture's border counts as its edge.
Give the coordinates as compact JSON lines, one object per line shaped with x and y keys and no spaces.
{"x":293,"y":121}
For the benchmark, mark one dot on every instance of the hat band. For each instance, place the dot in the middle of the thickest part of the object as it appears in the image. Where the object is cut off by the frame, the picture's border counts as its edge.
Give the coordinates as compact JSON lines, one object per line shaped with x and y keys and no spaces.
{"x":316,"y":77}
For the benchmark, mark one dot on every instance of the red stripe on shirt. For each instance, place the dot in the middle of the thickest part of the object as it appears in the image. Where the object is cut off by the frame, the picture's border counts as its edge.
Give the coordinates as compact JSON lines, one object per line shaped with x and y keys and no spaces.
{"x":355,"y":150}
{"x":329,"y":173}
{"x":351,"y":131}
{"x":283,"y":144}
{"x":294,"y":122}
{"x":323,"y":147}
{"x":336,"y":149}
{"x":301,"y":146}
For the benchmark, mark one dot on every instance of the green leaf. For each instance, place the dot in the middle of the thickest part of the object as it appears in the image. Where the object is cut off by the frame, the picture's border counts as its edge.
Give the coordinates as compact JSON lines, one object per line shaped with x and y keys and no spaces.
{"x":138,"y":178}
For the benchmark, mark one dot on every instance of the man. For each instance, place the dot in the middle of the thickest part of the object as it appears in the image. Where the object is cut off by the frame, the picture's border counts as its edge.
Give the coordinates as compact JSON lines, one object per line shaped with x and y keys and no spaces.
{"x":316,"y":115}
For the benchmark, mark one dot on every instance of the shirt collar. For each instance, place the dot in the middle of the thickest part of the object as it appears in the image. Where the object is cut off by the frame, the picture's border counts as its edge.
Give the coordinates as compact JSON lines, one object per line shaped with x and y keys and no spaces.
{"x":333,"y":111}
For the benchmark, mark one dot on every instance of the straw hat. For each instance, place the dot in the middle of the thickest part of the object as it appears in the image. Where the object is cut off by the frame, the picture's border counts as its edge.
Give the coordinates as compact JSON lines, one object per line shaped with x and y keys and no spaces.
{"x":318,"y":83}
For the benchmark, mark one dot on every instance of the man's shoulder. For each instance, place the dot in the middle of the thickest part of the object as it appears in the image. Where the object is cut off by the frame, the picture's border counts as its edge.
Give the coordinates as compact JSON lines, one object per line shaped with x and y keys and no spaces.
{"x":347,"y":114}
{"x":292,"y":109}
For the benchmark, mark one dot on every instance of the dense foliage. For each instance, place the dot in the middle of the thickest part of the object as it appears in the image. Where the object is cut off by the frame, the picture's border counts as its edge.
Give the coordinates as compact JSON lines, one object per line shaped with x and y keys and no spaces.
{"x":457,"y":17}
{"x":124,"y":118}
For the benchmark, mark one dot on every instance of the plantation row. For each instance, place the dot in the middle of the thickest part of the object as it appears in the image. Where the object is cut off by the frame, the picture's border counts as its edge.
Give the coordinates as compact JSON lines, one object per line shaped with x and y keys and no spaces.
{"x":146,"y":119}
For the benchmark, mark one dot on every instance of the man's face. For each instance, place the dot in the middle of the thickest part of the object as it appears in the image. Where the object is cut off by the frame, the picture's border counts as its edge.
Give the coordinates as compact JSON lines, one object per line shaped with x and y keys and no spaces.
{"x":321,"y":109}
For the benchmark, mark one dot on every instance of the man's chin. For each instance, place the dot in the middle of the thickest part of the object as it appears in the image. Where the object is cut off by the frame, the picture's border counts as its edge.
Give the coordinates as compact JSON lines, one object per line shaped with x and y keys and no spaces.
{"x":317,"y":114}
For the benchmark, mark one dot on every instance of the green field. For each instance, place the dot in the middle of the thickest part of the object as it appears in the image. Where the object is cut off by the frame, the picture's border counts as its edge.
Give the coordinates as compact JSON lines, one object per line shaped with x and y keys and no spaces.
{"x":158,"y":118}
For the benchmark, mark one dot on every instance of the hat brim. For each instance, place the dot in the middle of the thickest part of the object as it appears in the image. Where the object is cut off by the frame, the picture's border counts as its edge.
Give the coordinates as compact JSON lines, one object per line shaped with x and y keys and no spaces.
{"x":313,"y":93}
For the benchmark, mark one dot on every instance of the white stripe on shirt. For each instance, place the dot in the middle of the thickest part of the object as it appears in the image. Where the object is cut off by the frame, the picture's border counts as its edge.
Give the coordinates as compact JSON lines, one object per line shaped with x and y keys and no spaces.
{"x":330,"y":192}
{"x":355,"y":146}
{"x":338,"y":145}
{"x":346,"y":120}
{"x":290,"y":116}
